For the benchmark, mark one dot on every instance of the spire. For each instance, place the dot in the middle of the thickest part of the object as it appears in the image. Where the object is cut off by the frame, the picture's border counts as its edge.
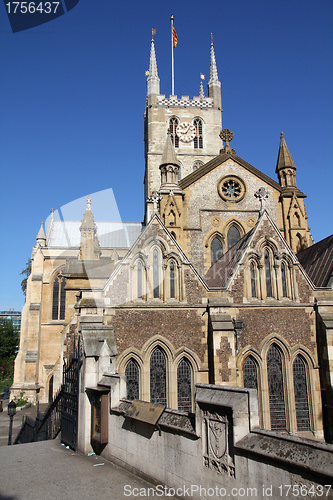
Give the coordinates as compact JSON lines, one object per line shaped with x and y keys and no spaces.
{"x":153,"y":81}
{"x":169,"y":165}
{"x":285,"y":166}
{"x":213,"y":76}
{"x":41,"y":238}
{"x":169,"y":156}
{"x":89,"y":248}
{"x":214,"y":85}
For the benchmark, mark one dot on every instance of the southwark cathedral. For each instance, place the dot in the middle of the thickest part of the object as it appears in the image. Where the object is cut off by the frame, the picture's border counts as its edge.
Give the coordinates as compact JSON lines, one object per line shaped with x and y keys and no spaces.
{"x":220,"y":283}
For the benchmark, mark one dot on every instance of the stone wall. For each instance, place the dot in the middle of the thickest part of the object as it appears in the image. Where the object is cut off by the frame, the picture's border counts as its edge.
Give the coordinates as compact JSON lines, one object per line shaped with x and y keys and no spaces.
{"x":220,"y":454}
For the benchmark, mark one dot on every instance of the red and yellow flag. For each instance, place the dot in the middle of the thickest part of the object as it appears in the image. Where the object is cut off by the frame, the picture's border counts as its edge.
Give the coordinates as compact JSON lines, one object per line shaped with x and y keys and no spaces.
{"x":175,"y":37}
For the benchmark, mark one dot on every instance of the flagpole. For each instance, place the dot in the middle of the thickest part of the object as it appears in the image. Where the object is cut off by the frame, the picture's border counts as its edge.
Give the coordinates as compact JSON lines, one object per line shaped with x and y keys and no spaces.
{"x":172,"y":60}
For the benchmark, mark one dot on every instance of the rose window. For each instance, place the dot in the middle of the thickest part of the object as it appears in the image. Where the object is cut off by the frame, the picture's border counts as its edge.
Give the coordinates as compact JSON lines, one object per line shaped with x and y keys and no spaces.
{"x":231,"y":188}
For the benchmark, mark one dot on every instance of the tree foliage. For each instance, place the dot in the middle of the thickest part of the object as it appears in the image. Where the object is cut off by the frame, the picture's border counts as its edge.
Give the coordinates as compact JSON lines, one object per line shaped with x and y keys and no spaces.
{"x":9,"y":342}
{"x":26,"y":272}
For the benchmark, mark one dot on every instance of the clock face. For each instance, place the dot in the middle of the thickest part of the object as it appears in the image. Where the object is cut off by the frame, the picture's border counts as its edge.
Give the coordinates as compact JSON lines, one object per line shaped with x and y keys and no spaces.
{"x":186,"y":131}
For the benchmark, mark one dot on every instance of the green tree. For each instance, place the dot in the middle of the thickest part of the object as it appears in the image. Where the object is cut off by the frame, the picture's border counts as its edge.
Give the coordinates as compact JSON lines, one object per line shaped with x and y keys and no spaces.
{"x":9,"y":342}
{"x":26,"y":272}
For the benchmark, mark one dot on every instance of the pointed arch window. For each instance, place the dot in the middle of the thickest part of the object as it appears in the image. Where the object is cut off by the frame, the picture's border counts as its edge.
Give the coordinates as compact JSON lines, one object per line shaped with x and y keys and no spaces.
{"x":216,"y":250}
{"x":59,"y":298}
{"x":156,"y":275}
{"x":268,"y":275}
{"x":301,"y":395}
{"x":250,"y":374}
{"x":158,"y":388}
{"x":253,"y":274}
{"x":276,"y":389}
{"x":233,"y":236}
{"x":198,"y":140}
{"x":172,"y":280}
{"x":173,"y":123}
{"x":184,"y":386}
{"x":132,"y":374}
{"x":139,"y":279}
{"x":197,"y":164}
{"x":284,"y":280}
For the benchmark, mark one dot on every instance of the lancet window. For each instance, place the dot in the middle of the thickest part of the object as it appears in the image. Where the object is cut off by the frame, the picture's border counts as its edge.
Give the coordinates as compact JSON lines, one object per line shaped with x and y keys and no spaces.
{"x":268,"y":274}
{"x":198,"y":139}
{"x":216,"y":250}
{"x":233,"y":236}
{"x":250,"y":373}
{"x":156,"y":279}
{"x":301,"y":395}
{"x":59,"y":298}
{"x":184,"y":385}
{"x":173,"y":122}
{"x":132,"y":373}
{"x":276,"y":389}
{"x":158,"y":378}
{"x":172,"y":280}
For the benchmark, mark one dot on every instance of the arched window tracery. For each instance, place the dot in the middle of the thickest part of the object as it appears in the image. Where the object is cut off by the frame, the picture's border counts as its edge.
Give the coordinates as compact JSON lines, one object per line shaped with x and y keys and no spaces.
{"x":59,"y":297}
{"x":250,"y":373}
{"x":132,"y":373}
{"x":301,"y":395}
{"x":184,"y":385}
{"x":276,"y":389}
{"x":173,"y":123}
{"x":156,"y":278}
{"x":158,"y":377}
{"x":198,"y":140}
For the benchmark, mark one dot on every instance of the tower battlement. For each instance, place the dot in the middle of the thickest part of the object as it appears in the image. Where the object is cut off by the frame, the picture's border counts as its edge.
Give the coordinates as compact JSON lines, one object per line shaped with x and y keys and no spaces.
{"x":185,"y":101}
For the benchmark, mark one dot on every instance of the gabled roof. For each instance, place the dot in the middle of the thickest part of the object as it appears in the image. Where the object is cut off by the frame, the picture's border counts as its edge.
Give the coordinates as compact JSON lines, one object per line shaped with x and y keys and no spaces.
{"x":222,"y":272}
{"x":217,"y":161}
{"x":317,"y":260}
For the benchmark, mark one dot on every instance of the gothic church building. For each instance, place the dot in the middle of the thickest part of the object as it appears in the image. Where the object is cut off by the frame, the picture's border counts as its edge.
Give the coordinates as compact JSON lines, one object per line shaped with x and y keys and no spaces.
{"x":221,"y":284}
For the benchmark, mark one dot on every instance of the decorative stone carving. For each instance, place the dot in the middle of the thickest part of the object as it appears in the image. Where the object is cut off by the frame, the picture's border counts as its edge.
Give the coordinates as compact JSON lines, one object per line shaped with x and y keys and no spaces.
{"x":217,"y":432}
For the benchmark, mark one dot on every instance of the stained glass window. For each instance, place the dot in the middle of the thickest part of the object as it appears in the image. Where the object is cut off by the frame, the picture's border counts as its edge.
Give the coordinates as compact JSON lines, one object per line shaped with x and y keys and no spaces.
{"x":301,"y":395}
{"x":216,"y":250}
{"x":158,"y":377}
{"x":184,"y":386}
{"x":132,"y":374}
{"x":276,"y":389}
{"x":250,"y":374}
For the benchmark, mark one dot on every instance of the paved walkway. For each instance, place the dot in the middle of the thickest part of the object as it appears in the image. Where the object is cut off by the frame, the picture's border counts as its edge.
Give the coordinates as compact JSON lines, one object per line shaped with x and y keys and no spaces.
{"x":17,"y":420}
{"x":47,"y":469}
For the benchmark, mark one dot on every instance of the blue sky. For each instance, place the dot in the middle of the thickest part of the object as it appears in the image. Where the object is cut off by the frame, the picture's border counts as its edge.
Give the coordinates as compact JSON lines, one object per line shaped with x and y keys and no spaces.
{"x":73,"y":96}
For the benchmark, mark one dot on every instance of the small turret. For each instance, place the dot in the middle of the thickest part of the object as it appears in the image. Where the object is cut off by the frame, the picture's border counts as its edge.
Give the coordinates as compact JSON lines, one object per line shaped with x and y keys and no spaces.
{"x":285,"y":166}
{"x":214,"y":85}
{"x":90,"y":247}
{"x":169,"y":166}
{"x":41,"y":238}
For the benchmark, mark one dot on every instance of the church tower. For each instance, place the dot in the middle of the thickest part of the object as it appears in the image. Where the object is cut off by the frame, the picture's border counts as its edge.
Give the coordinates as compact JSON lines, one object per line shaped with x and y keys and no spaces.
{"x":193,"y":124}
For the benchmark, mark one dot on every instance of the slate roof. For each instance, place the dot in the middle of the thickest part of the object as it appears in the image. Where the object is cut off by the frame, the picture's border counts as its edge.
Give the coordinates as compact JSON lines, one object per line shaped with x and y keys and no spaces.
{"x":317,"y":260}
{"x":218,"y":275}
{"x":66,"y":234}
